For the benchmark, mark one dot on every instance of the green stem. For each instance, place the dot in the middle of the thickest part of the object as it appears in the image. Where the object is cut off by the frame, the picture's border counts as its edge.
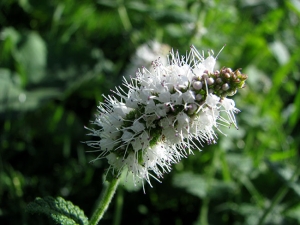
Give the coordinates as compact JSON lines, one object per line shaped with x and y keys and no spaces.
{"x":106,"y":198}
{"x":203,"y":220}
{"x":251,"y":188}
{"x":124,"y":18}
{"x":279,"y":196}
{"x":203,"y":215}
{"x":201,"y":14}
{"x":119,"y":206}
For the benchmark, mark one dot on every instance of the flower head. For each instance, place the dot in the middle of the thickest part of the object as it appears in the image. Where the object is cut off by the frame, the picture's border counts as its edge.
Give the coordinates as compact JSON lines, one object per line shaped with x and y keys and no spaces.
{"x":157,"y":118}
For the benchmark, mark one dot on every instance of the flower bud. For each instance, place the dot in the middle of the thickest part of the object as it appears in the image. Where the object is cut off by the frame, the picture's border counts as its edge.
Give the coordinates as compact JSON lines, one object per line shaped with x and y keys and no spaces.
{"x":197,"y":85}
{"x":210,"y":81}
{"x":225,"y":87}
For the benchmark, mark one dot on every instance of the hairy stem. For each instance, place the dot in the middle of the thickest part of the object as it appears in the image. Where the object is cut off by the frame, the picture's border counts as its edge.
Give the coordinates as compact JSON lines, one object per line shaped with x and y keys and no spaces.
{"x":106,"y":198}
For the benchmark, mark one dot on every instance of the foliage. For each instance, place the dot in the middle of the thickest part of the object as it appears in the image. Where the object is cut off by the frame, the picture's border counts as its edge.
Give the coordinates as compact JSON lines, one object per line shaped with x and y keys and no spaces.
{"x":61,"y":211}
{"x":57,"y":58}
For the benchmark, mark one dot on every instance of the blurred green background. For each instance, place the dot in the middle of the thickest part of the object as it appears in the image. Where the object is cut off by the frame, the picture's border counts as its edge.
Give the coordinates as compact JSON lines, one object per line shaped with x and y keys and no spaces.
{"x":57,"y":58}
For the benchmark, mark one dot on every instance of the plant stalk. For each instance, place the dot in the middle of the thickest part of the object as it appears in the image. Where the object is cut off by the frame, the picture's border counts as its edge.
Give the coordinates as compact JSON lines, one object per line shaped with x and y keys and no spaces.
{"x":106,"y":198}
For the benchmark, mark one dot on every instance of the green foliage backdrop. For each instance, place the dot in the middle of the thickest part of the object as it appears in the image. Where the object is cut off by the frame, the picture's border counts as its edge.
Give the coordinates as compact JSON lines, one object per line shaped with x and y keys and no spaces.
{"x":57,"y":58}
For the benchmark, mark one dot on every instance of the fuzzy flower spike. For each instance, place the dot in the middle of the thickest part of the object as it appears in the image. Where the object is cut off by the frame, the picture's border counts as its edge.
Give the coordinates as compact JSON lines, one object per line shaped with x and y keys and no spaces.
{"x":155,"y":119}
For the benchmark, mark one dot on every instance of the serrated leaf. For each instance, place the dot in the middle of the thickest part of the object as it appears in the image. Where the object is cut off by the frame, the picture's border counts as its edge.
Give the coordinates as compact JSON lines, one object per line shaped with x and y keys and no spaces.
{"x":61,"y":211}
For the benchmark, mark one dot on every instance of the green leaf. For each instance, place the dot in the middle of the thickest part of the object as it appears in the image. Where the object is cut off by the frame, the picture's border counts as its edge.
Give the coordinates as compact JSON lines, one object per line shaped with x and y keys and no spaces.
{"x":10,"y":39}
{"x":202,"y":186}
{"x":172,"y":16}
{"x":294,"y":213}
{"x":252,"y":214}
{"x":14,"y":97}
{"x":240,"y":164}
{"x":295,"y":115}
{"x":32,"y":57}
{"x":138,"y":6}
{"x":108,"y":3}
{"x":285,"y":173}
{"x":280,"y":52}
{"x":61,"y":211}
{"x":192,"y":183}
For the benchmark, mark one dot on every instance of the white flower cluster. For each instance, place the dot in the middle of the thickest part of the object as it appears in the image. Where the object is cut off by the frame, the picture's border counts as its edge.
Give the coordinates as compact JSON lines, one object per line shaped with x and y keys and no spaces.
{"x":156,"y":119}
